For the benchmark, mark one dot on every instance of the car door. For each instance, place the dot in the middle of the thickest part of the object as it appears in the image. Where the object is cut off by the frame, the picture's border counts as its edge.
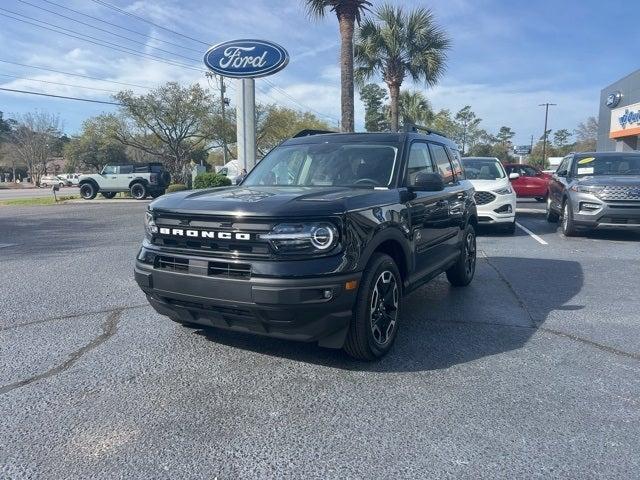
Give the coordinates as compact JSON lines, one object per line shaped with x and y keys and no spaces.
{"x":535,"y":184}
{"x":518,"y":184}
{"x":109,"y":177}
{"x":558,"y":183}
{"x":124,"y":177}
{"x":428,"y":212}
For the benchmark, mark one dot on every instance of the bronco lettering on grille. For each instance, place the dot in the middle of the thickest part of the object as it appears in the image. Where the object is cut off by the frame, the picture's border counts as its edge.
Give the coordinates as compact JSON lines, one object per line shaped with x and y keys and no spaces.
{"x":181,"y":232}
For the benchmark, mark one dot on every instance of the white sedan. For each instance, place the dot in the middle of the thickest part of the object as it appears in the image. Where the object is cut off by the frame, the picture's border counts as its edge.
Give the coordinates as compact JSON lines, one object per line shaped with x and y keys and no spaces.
{"x":495,"y":198}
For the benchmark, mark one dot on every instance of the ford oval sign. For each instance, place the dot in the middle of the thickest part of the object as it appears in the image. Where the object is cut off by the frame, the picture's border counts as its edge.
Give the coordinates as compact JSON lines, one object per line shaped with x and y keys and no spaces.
{"x":246,"y":58}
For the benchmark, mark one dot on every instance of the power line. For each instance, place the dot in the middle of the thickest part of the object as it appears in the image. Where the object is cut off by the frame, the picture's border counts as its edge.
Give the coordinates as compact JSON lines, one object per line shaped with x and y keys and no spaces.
{"x":57,"y":83}
{"x":293,"y":99}
{"x":107,"y":31}
{"x":86,"y":38}
{"x":124,"y":12}
{"x":59,"y":96}
{"x":74,"y":74}
{"x":121,"y":27}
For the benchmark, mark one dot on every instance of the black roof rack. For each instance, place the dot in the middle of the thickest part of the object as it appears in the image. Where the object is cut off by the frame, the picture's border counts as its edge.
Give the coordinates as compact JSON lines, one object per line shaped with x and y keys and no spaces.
{"x":309,"y":131}
{"x":411,"y":127}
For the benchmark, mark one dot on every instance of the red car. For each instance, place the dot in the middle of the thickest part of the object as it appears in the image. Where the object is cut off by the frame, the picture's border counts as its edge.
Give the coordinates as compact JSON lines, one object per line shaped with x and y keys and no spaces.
{"x":532,"y":182}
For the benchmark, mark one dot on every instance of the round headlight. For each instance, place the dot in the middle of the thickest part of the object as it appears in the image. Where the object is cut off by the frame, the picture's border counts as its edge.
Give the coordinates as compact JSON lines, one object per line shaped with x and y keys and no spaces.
{"x":322,"y":237}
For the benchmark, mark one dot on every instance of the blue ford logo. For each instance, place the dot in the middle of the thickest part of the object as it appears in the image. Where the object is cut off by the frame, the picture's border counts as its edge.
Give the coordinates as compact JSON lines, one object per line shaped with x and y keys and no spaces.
{"x":613,"y":99}
{"x":246,"y":58}
{"x":634,"y":193}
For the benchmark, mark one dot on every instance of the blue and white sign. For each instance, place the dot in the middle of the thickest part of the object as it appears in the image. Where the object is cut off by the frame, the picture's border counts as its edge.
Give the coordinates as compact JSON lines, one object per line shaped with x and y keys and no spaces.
{"x":246,"y":58}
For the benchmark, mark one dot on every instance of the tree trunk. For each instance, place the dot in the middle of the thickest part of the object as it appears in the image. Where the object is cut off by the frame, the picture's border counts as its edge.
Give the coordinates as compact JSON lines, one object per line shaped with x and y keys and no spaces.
{"x":394,"y":96}
{"x":347,"y":21}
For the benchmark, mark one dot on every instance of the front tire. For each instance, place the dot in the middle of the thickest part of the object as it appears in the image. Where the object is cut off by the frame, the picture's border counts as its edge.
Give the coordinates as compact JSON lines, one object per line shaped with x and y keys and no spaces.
{"x":567,"y":223}
{"x":138,"y":191}
{"x":462,"y":272}
{"x":374,"y":325}
{"x":88,"y":191}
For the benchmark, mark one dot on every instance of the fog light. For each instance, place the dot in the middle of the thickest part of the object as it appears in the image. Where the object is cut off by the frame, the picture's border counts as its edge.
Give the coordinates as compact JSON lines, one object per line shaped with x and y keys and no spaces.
{"x":589,"y":206}
{"x":327,"y":294}
{"x":504,"y":209}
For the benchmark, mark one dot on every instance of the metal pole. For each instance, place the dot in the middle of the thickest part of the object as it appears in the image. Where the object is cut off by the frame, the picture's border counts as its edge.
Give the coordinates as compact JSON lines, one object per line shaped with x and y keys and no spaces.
{"x":224,"y":122}
{"x":544,"y":142}
{"x":246,"y":123}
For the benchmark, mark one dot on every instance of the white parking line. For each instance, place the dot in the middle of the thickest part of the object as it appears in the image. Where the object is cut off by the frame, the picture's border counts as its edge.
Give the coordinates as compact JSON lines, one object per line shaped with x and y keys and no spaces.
{"x":533,"y":235}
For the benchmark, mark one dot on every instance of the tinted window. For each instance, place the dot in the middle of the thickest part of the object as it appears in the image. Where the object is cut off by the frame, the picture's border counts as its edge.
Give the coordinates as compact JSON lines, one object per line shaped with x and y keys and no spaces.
{"x":126,"y":169}
{"x":528,"y":171}
{"x":442,"y":162}
{"x":457,"y":165}
{"x":563,"y":165}
{"x":419,"y":161}
{"x":607,"y":165}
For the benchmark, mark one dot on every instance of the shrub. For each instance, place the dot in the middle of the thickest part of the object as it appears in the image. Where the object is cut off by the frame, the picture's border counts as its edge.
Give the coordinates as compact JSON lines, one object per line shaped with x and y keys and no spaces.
{"x":176,"y":187}
{"x":210,"y":180}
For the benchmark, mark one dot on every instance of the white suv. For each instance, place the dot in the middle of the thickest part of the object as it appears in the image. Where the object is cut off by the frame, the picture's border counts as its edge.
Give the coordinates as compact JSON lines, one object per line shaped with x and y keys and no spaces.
{"x":139,"y":180}
{"x":495,"y":198}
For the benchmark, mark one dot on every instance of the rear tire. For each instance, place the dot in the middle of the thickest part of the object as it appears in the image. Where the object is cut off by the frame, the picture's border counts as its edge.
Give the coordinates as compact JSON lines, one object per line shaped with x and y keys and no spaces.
{"x":108,"y":194}
{"x":462,"y":272}
{"x":374,"y":324}
{"x":138,"y":191}
{"x":551,"y":216}
{"x":88,"y":191}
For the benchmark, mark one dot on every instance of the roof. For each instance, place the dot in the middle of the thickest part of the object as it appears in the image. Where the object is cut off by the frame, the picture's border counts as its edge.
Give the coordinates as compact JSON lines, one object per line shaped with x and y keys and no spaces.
{"x":355,"y":137}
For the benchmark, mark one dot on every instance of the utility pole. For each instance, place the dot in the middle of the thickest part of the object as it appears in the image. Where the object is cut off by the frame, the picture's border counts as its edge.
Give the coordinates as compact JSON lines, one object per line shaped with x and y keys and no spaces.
{"x":544,"y":143}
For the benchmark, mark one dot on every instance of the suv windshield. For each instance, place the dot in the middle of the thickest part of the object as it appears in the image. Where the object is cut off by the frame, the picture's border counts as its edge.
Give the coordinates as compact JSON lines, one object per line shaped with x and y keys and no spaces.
{"x":607,"y":165}
{"x":327,"y":165}
{"x":483,"y":169}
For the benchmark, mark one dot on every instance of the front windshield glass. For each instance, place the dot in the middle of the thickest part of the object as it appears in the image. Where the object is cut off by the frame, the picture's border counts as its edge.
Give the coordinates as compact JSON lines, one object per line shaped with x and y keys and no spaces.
{"x":607,"y":165}
{"x":327,"y":165}
{"x":483,"y":169}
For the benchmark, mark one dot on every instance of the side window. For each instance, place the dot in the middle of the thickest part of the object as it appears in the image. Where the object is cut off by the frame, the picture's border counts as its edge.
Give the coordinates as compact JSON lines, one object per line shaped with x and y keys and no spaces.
{"x":457,"y":165}
{"x":529,"y":171}
{"x":419,"y":161}
{"x":125,"y":169}
{"x":442,"y":163}
{"x":564,"y":165}
{"x":110,"y":170}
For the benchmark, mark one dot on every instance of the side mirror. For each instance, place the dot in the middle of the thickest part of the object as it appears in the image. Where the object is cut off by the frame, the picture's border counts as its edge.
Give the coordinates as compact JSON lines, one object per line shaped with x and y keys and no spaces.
{"x":428,"y":182}
{"x":514,"y":175}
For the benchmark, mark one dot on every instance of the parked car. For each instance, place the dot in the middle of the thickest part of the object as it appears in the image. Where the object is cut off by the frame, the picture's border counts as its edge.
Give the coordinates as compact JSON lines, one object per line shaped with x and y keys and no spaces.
{"x":320,"y":243}
{"x":494,"y":196}
{"x":51,"y":180}
{"x":595,"y":190}
{"x":531,"y":182}
{"x":140,"y":180}
{"x":71,"y":179}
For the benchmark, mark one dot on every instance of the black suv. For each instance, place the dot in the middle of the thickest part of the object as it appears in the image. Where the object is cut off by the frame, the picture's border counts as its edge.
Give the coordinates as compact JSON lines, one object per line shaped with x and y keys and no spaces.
{"x":319,"y":243}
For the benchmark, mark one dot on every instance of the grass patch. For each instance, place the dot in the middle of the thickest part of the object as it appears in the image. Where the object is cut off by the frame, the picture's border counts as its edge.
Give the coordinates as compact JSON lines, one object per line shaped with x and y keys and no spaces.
{"x":36,"y":200}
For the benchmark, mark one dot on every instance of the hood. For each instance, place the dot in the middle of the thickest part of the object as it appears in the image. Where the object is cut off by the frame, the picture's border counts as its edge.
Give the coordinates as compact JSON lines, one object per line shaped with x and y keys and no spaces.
{"x":272,"y":201}
{"x":488,"y":185}
{"x":613,"y":180}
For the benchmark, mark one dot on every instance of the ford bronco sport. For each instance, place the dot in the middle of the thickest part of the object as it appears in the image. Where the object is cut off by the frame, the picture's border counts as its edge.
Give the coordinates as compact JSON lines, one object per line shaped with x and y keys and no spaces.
{"x":320,"y":242}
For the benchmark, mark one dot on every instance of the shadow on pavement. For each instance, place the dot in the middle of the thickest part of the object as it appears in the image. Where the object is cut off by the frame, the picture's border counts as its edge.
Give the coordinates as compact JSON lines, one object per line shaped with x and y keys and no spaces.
{"x":444,"y":326}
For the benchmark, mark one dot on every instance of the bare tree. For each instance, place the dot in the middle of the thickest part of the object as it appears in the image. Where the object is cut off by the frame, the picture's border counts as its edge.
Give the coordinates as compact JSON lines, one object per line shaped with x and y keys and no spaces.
{"x":35,"y":139}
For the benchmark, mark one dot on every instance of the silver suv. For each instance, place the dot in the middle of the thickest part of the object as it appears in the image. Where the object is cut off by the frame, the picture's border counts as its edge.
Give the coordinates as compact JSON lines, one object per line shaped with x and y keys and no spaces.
{"x":595,"y":190}
{"x":140,"y":180}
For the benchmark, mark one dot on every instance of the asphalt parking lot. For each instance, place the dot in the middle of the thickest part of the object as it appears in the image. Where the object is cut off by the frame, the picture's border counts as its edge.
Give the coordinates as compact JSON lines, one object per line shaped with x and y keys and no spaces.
{"x":532,"y":371}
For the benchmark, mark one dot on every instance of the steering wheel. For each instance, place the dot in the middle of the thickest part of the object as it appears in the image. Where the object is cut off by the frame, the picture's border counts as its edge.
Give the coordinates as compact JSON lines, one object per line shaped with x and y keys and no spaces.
{"x":367,"y":180}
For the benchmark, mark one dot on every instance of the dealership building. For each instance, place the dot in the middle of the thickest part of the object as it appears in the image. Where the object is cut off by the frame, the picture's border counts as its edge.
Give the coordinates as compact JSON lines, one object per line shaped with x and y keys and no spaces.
{"x":619,"y":120}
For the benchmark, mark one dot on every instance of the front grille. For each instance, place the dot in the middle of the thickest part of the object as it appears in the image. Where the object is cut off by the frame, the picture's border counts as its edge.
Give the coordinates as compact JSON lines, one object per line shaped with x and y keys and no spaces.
{"x":620,"y":193}
{"x":621,"y":221}
{"x":482,"y":198}
{"x":240,"y":271}
{"x":251,"y":246}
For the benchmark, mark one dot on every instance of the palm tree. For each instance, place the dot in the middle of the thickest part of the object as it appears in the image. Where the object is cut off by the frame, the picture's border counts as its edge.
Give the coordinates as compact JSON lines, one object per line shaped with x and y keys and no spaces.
{"x":398,"y":44}
{"x":349,"y":12}
{"x":415,"y":108}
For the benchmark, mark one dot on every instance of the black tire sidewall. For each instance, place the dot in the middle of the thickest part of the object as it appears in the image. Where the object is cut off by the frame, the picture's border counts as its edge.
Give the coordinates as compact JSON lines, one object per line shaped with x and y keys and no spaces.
{"x":84,"y":188}
{"x":144,"y":191}
{"x":379,"y":263}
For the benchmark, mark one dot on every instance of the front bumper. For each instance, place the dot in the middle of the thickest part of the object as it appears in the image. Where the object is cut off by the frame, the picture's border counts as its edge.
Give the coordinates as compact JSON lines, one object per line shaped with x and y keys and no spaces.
{"x":591,"y":212}
{"x":315,"y":309}
{"x":499,"y":211}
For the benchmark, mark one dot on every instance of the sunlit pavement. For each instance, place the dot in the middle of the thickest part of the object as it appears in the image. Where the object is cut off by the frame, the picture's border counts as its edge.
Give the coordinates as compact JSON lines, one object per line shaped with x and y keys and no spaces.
{"x":533,"y":370}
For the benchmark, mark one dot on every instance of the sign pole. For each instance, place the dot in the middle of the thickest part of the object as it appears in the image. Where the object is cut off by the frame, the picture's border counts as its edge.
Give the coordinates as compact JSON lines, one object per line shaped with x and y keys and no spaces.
{"x":246,"y":123}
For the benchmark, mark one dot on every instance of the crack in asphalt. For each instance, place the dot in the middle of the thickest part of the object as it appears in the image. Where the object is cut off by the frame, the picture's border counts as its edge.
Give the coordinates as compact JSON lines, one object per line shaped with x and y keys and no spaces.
{"x":109,"y":329}
{"x":538,"y":325}
{"x":73,"y":315}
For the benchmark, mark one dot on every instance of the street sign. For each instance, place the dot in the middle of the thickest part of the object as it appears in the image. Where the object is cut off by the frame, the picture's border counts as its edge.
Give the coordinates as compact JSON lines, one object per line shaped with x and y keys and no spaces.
{"x":522,"y":149}
{"x":246,"y":58}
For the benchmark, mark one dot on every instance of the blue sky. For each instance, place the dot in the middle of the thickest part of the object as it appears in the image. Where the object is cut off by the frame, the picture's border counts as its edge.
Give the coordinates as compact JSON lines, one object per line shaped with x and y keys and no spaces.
{"x":507,"y":56}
